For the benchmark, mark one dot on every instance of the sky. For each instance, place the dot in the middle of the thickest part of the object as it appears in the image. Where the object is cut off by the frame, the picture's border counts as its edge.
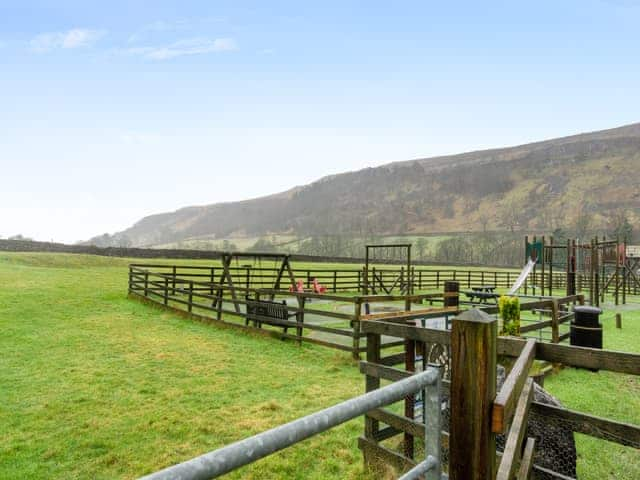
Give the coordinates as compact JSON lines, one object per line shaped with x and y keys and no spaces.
{"x":110,"y":111}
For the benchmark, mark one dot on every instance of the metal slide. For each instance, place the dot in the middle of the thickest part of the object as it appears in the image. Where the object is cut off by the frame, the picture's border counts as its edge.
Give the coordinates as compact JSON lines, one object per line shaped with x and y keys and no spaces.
{"x":522,"y":277}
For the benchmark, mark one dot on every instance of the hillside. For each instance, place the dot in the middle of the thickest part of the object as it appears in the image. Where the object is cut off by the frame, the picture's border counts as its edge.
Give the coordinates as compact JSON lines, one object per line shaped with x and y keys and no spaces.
{"x":577,"y":180}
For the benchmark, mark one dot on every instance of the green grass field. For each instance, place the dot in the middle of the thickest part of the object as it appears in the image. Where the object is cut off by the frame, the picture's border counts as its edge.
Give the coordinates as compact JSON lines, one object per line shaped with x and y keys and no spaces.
{"x":608,"y":395}
{"x":93,"y":385}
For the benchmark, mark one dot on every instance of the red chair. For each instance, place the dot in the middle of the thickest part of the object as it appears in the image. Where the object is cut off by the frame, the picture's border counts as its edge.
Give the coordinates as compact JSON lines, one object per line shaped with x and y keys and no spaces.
{"x":317,"y":288}
{"x":299,"y":287}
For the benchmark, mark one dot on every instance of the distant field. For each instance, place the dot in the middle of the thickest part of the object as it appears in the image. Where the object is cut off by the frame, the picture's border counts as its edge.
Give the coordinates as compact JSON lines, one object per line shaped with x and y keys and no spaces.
{"x":241,"y":243}
{"x":292,"y":243}
{"x":93,"y":385}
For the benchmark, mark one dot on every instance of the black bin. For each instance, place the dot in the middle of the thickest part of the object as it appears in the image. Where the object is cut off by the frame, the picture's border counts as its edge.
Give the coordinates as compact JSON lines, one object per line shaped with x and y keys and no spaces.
{"x":451,"y":286}
{"x":586,"y":329}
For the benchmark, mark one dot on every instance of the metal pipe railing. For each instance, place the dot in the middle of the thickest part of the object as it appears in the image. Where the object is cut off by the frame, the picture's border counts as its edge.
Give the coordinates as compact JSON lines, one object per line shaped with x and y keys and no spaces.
{"x":424,"y":467}
{"x":244,"y":452}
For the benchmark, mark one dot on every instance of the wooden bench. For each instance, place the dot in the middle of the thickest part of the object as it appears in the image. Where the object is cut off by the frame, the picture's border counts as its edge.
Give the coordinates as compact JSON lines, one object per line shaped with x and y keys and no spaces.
{"x":261,"y":311}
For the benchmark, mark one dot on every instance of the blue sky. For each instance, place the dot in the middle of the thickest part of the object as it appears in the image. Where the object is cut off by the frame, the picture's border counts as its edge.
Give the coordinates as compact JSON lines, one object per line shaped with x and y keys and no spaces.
{"x":114,"y":110}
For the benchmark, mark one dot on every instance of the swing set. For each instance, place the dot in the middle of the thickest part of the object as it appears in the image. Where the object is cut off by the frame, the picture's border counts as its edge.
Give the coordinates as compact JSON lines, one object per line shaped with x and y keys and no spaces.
{"x":281,"y":263}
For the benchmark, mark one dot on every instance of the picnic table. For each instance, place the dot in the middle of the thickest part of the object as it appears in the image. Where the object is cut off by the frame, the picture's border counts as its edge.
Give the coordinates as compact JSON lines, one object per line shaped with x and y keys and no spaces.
{"x":484,"y":288}
{"x":482,"y":294}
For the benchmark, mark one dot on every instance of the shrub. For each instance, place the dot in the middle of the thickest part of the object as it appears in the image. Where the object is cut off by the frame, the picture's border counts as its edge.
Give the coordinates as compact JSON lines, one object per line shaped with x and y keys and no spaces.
{"x":510,"y":313}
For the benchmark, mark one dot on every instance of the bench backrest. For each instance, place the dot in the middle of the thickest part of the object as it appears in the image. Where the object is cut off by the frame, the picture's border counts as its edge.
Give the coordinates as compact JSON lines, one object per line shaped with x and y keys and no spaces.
{"x":267,"y":308}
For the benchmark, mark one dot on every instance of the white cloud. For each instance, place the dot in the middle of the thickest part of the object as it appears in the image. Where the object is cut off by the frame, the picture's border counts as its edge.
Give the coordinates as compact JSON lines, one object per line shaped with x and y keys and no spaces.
{"x":74,"y":38}
{"x":159,"y":26}
{"x":191,"y":46}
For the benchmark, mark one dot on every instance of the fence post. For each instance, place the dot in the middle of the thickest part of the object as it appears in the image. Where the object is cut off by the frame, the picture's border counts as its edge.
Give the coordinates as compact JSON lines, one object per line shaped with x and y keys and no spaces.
{"x":190,"y":305}
{"x":146,"y":284}
{"x":409,"y":402}
{"x":432,"y":419}
{"x":555,"y":322}
{"x":472,"y":444}
{"x":173,"y":281}
{"x":300,"y":318}
{"x":356,"y":329}
{"x":414,"y":281}
{"x":371,"y":425}
{"x":166,"y":290}
{"x":219,"y":295}
{"x":130,"y":279}
{"x":373,"y":281}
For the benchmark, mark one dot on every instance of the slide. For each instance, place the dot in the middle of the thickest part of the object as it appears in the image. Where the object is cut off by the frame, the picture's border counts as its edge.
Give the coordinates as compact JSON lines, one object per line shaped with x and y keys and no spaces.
{"x":522,"y":277}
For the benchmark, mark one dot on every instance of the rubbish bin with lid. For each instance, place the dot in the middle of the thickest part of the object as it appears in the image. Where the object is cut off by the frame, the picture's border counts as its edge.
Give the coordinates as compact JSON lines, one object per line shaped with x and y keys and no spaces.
{"x":586,"y":329}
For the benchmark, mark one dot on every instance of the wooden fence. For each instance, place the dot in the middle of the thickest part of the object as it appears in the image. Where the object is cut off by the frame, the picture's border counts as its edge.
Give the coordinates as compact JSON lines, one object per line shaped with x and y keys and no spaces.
{"x":469,"y":353}
{"x":478,"y":413}
{"x":330,"y":320}
{"x":339,"y":280}
{"x":187,"y":291}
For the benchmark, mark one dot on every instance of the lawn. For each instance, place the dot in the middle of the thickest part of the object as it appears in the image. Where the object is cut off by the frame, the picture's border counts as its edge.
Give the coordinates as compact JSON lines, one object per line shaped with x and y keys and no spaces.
{"x":608,"y":395}
{"x":93,"y":385}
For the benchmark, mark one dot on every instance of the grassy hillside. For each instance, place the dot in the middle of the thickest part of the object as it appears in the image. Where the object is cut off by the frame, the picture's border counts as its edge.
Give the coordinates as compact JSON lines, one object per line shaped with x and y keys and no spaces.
{"x":580,"y":180}
{"x":93,"y":385}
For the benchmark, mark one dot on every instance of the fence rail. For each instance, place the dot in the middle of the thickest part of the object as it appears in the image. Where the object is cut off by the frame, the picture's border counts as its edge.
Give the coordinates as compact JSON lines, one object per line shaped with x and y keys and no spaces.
{"x":329,"y":319}
{"x":468,"y":355}
{"x":382,"y":278}
{"x":176,"y":288}
{"x":508,"y":412}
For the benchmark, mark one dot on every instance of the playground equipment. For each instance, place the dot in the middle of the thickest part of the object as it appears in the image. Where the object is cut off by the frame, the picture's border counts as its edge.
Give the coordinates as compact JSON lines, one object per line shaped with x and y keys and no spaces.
{"x":316,"y":287}
{"x":298,"y":287}
{"x":600,"y":266}
{"x":374,"y":281}
{"x":281,"y":261}
{"x":524,"y":274}
{"x":381,"y":280}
